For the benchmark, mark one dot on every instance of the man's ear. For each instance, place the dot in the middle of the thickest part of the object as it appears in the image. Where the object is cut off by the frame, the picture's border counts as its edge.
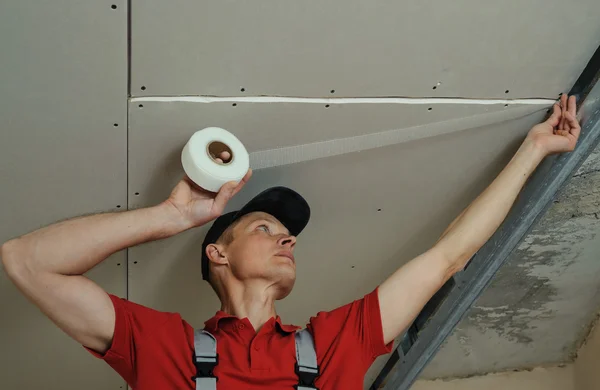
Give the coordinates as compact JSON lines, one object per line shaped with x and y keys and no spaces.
{"x":216,"y":254}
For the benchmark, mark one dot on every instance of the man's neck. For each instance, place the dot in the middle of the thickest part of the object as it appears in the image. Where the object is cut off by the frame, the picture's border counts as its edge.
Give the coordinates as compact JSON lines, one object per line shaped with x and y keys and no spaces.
{"x":252,"y":302}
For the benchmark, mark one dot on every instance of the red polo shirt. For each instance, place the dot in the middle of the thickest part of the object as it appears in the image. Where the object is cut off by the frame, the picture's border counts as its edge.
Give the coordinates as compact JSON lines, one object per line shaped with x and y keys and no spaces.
{"x":153,"y":349}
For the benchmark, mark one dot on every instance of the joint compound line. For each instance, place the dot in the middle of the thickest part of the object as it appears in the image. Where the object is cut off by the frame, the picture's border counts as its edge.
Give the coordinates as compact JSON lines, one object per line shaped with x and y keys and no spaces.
{"x":301,"y":153}
{"x":383,"y":100}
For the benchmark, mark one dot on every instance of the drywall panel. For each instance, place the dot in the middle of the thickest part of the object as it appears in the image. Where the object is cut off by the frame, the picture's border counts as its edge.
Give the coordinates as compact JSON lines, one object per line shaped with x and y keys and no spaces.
{"x":159,"y":130}
{"x":551,"y":378}
{"x":63,"y":116}
{"x":538,"y":308}
{"x":461,"y":48}
{"x":372,"y":210}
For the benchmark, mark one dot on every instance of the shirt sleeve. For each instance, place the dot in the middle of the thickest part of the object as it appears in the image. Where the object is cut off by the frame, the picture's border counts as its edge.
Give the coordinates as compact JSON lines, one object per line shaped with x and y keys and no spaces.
{"x":355,"y":327}
{"x":132,"y":323}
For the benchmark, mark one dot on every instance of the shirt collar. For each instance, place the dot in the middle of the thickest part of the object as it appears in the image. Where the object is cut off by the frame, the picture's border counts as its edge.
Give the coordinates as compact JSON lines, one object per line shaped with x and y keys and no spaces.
{"x":286,"y":328}
{"x":212,"y":325}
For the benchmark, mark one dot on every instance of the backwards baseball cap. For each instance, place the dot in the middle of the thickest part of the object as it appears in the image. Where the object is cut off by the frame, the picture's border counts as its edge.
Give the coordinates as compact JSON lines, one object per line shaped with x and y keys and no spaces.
{"x":286,"y":205}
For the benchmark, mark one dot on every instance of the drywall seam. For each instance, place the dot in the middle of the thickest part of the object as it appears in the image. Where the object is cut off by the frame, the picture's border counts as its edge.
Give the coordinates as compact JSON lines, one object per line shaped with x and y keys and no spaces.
{"x":316,"y":150}
{"x":383,"y":100}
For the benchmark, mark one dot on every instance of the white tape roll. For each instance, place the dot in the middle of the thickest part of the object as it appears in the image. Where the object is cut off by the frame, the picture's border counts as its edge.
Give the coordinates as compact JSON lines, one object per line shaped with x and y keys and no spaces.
{"x":199,"y":154}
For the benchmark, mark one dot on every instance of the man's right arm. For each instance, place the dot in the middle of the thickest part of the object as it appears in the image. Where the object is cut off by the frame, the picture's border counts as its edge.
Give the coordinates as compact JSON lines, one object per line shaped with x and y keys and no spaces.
{"x":47,"y":265}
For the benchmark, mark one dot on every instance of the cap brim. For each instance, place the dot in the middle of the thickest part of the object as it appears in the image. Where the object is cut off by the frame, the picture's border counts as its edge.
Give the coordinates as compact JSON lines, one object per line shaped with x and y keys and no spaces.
{"x":289,"y":207}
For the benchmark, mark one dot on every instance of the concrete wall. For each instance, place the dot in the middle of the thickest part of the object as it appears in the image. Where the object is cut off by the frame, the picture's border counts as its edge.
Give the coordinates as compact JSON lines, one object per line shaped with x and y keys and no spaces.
{"x":583,"y":374}
{"x":553,"y":378}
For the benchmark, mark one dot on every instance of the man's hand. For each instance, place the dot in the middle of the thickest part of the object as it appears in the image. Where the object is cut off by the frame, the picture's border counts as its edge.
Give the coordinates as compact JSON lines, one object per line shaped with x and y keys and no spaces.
{"x":198,"y":206}
{"x":560,"y":132}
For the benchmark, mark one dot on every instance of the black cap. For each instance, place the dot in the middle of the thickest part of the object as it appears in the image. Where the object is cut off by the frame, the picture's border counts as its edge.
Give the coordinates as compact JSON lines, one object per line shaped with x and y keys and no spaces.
{"x":286,"y":205}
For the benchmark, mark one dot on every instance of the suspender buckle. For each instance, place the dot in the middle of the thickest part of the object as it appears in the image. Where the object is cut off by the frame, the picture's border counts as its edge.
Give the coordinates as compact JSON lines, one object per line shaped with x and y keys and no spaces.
{"x":306,"y":377}
{"x":205,"y":366}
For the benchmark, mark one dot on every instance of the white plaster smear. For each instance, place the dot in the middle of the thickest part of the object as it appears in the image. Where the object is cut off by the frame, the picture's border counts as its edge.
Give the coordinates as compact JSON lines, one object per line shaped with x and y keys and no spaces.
{"x":382,"y":100}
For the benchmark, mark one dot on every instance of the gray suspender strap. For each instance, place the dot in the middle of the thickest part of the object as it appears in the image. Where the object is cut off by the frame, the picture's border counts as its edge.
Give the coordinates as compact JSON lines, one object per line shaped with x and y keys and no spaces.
{"x":205,"y":360}
{"x":306,"y":360}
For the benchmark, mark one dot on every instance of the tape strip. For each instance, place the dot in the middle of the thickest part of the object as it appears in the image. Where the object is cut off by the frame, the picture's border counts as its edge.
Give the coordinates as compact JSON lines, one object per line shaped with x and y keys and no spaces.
{"x":300,"y":153}
{"x":383,"y":100}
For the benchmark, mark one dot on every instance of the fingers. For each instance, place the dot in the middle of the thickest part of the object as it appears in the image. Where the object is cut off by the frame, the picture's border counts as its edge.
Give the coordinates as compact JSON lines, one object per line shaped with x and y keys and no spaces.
{"x":242,"y":182}
{"x":247,"y":176}
{"x":575,"y":127}
{"x":228,"y":190}
{"x":223,"y":196}
{"x":189,"y":181}
{"x":572,"y":105}
{"x":554,"y":119}
{"x":224,"y":157}
{"x":563,"y":106}
{"x":570,"y":136}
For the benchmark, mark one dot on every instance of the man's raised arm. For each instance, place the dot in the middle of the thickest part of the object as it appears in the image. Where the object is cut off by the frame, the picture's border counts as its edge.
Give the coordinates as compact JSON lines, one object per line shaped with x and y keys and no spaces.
{"x":47,"y":265}
{"x":404,"y":294}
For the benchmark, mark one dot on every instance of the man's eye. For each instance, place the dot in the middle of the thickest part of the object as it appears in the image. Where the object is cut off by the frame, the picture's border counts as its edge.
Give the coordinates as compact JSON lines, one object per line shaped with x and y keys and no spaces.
{"x":265,"y":228}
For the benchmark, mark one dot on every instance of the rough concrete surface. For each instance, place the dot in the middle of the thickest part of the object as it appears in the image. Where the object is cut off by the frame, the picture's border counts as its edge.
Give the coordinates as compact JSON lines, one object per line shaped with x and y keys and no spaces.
{"x":586,"y":371}
{"x":551,"y":378}
{"x":540,"y":304}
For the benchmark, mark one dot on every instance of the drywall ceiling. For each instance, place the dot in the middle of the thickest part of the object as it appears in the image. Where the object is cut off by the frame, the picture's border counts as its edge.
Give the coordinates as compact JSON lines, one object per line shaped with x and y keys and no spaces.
{"x":66,"y":149}
{"x":63,"y":152}
{"x":357,"y":48}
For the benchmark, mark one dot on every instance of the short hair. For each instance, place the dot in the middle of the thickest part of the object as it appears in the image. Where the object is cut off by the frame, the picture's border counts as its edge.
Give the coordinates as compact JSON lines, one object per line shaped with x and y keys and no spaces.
{"x":227,"y":237}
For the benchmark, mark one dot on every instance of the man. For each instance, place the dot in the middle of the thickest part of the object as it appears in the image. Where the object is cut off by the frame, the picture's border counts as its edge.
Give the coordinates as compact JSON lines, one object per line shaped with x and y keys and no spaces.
{"x":248,"y":259}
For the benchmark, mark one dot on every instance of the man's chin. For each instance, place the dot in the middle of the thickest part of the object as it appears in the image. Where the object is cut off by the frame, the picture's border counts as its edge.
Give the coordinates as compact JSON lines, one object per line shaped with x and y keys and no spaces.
{"x":284,"y":287}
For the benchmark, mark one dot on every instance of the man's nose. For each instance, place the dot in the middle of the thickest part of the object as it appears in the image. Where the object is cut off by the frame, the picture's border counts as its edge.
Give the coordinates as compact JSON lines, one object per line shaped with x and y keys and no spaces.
{"x":287,"y":241}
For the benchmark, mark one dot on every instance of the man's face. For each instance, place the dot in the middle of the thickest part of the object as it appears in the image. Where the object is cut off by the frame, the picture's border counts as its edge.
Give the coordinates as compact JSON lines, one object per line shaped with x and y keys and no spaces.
{"x":262,"y":248}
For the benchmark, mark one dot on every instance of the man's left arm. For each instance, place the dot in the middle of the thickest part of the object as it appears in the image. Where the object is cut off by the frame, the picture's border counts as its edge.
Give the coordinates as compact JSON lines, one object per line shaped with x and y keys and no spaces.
{"x":404,"y":294}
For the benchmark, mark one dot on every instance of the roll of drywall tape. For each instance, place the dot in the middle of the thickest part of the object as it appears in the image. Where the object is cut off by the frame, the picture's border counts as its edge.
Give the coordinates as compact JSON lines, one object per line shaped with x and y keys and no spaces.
{"x":200,"y":154}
